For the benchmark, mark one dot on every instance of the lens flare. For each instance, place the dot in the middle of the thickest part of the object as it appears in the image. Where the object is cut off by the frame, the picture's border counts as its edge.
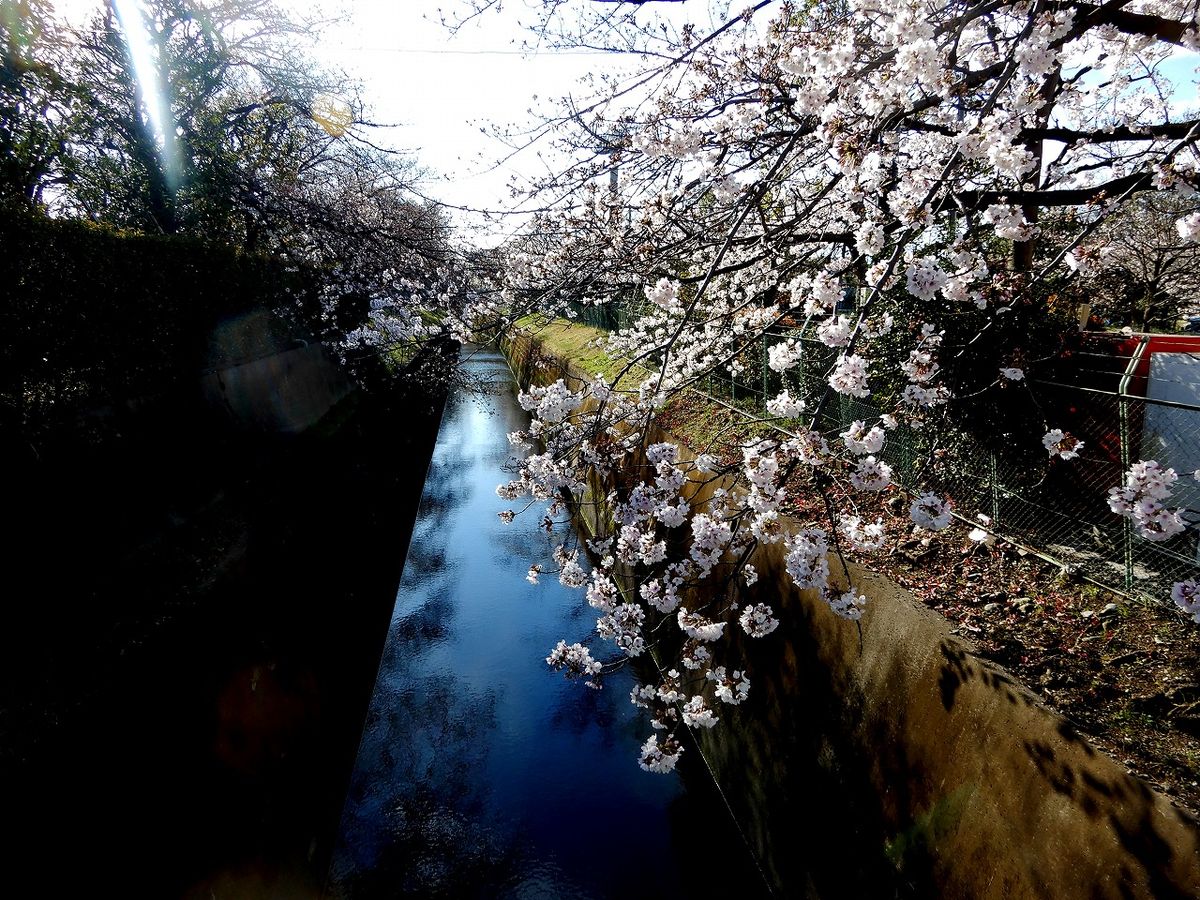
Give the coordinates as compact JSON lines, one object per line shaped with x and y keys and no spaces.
{"x":150,"y":83}
{"x":333,"y":114}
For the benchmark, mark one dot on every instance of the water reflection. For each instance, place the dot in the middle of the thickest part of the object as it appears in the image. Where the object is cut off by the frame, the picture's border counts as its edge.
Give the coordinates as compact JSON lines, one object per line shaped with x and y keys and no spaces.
{"x":413,"y":825}
{"x":480,"y":773}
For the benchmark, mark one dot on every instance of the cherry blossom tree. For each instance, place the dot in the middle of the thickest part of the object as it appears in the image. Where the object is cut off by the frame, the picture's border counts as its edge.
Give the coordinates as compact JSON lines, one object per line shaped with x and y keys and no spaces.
{"x":953,"y":165}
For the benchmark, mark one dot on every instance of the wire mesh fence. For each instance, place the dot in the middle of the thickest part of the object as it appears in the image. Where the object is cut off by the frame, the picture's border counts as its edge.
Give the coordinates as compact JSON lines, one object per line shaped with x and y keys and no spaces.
{"x":1062,"y":510}
{"x":1128,"y":398}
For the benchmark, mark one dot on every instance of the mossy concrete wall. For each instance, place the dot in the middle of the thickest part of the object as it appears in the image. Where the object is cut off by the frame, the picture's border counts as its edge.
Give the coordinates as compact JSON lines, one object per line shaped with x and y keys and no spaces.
{"x":892,"y":760}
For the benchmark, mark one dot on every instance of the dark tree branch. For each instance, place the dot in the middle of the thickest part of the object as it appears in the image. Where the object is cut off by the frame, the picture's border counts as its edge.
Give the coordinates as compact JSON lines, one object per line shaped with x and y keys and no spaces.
{"x":1060,"y":197}
{"x":1167,"y":130}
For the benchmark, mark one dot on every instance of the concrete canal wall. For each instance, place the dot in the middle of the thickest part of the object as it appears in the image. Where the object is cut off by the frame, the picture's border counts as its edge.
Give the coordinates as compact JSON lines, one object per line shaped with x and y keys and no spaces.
{"x":895,"y":761}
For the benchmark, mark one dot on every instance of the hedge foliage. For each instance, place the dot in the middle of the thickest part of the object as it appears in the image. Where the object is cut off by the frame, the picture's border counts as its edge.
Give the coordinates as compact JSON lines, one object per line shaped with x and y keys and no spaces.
{"x":91,"y":317}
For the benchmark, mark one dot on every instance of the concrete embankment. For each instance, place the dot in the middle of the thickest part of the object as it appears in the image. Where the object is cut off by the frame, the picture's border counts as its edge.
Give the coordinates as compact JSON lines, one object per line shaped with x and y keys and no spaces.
{"x":893,"y":760}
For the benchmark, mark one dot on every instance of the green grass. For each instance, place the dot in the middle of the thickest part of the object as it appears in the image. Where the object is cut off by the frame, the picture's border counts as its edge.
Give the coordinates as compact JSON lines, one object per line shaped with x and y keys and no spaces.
{"x":690,"y":416}
{"x":580,"y":345}
{"x":706,"y":426}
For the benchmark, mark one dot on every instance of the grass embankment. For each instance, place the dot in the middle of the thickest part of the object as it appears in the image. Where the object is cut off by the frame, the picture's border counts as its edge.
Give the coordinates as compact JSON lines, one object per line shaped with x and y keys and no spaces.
{"x":581,"y":345}
{"x":703,"y":423}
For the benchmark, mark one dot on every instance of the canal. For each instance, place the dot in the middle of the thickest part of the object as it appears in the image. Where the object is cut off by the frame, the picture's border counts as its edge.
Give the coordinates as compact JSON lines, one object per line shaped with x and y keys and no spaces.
{"x":480,"y":772}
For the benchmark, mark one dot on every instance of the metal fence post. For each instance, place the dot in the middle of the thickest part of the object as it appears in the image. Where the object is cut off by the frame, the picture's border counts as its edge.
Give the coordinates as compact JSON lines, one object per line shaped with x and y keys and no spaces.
{"x":1135,"y":359}
{"x":1127,"y":527}
{"x":995,"y":475}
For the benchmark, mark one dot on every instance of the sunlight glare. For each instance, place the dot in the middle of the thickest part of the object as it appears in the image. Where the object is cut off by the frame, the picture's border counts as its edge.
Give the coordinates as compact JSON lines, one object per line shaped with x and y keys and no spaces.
{"x":149,"y":83}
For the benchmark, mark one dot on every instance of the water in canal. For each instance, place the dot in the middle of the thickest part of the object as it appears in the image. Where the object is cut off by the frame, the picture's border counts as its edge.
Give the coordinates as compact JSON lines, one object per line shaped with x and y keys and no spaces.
{"x":481,"y":773}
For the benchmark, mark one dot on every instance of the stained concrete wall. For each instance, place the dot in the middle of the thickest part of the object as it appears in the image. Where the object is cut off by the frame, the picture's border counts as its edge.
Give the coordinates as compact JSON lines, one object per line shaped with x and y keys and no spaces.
{"x":892,"y":760}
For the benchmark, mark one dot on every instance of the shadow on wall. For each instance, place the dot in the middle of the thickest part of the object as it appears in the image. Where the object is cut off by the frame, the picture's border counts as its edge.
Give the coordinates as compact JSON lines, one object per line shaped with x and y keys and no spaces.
{"x":1147,"y":828}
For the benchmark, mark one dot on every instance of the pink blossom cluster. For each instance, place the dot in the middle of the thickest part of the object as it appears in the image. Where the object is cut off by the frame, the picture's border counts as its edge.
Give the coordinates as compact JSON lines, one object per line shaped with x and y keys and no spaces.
{"x":1143,"y":497}
{"x":1061,"y":444}
{"x":1186,"y":595}
{"x":575,"y":660}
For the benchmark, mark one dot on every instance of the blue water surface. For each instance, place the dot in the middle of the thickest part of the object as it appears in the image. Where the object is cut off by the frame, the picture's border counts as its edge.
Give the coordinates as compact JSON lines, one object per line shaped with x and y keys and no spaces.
{"x":481,"y":772}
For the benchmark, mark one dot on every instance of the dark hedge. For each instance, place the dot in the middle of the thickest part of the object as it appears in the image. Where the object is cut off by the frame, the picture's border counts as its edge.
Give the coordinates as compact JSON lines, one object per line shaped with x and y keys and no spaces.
{"x":91,"y":317}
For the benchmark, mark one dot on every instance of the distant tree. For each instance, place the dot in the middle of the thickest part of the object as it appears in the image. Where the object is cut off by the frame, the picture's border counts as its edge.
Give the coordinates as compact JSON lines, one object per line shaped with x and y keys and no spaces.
{"x":1151,"y":273}
{"x":37,"y":100}
{"x":219,"y":116}
{"x":209,"y":118}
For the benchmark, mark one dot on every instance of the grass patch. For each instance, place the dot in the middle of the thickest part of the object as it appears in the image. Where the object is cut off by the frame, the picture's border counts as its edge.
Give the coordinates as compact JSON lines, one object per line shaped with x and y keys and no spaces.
{"x":700,"y":422}
{"x":706,"y":426}
{"x":582,"y":346}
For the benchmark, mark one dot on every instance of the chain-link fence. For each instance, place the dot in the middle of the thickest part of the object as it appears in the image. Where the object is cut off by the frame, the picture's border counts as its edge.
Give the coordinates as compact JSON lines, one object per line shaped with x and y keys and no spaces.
{"x":1127,"y":398}
{"x":1062,"y":510}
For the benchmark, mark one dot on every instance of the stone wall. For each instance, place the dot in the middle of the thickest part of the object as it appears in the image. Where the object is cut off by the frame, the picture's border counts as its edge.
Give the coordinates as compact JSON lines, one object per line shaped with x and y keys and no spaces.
{"x":888,"y":759}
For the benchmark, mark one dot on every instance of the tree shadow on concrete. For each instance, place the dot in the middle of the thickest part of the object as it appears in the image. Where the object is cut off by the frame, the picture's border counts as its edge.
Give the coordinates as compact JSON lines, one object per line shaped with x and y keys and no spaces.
{"x":1073,"y":769}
